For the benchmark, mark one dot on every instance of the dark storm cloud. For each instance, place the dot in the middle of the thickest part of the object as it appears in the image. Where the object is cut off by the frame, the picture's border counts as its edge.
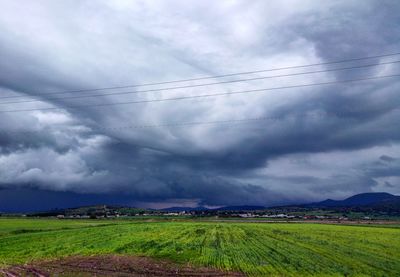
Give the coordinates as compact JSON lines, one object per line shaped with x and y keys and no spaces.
{"x":389,"y":167}
{"x":387,"y":158}
{"x":59,"y":47}
{"x":353,"y":29}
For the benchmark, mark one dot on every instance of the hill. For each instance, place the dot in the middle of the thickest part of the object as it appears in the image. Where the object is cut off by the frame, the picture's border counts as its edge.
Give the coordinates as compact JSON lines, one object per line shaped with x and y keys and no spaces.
{"x":368,"y":203}
{"x":97,"y":210}
{"x":377,"y":199}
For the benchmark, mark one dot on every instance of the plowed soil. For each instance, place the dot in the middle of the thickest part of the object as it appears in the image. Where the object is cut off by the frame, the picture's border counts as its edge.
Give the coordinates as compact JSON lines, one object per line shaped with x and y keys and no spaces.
{"x":110,"y":265}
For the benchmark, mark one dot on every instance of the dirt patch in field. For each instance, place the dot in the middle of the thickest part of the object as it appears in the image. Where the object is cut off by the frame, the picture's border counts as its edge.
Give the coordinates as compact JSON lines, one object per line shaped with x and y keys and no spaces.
{"x":110,"y":265}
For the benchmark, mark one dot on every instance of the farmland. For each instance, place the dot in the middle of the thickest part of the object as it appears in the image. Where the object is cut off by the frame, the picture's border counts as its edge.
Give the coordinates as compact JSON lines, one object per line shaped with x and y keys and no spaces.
{"x":256,"y":249}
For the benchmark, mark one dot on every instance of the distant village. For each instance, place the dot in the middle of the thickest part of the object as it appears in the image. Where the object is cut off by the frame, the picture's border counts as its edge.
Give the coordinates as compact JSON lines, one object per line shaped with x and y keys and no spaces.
{"x":110,"y":212}
{"x":248,"y":215}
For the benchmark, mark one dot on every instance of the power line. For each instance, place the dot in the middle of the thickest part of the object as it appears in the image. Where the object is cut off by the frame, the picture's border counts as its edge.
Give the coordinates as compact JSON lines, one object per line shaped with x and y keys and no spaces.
{"x":175,"y":124}
{"x":204,"y":95}
{"x":201,"y":85}
{"x":228,"y":121}
{"x":211,"y":77}
{"x":231,"y":121}
{"x":215,"y":122}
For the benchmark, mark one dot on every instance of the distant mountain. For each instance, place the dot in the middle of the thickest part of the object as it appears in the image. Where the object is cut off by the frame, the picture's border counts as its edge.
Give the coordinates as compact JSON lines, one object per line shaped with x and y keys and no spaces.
{"x":126,"y":210}
{"x":364,"y":202}
{"x":92,"y":210}
{"x":359,"y":200}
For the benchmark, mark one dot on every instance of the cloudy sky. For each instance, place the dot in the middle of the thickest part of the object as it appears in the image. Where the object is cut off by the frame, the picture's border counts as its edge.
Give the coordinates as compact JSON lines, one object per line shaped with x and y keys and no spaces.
{"x":59,"y":148}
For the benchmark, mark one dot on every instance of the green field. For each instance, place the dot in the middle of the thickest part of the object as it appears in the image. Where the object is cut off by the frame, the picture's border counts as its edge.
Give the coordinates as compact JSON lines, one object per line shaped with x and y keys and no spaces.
{"x":257,"y":249}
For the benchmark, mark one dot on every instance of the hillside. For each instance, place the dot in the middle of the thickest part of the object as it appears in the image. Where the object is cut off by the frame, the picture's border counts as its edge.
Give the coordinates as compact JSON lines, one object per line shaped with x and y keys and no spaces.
{"x":97,"y":210}
{"x":378,"y":199}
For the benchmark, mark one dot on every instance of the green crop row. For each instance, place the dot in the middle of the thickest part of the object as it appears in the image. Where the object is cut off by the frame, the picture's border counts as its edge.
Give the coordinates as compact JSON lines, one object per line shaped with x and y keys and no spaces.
{"x":257,"y":249}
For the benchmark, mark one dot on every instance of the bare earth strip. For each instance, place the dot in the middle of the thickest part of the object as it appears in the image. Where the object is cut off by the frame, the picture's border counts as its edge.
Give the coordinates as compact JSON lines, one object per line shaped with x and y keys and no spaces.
{"x":110,"y":265}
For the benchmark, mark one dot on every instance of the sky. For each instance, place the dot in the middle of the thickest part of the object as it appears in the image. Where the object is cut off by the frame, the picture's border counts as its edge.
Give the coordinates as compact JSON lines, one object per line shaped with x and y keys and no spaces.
{"x":61,"y":149}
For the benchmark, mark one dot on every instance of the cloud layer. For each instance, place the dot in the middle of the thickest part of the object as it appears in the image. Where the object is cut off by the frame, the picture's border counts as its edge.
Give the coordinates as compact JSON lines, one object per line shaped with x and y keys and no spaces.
{"x":327,"y":141}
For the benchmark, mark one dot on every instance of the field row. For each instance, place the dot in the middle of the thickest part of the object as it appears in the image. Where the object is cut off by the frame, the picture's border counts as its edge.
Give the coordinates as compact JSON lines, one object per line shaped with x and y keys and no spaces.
{"x":255,"y":249}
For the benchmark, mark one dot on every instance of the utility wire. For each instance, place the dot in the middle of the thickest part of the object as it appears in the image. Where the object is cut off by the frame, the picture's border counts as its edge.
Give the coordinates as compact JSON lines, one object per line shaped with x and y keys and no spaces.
{"x":174,"y":124}
{"x":228,"y":121}
{"x":211,"y":77}
{"x":215,"y":122}
{"x":203,"y":95}
{"x":200,"y":85}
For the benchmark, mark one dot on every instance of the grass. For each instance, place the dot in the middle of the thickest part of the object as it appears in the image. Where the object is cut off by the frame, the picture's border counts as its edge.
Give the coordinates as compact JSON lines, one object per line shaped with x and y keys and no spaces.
{"x":258,"y":249}
{"x":20,"y":226}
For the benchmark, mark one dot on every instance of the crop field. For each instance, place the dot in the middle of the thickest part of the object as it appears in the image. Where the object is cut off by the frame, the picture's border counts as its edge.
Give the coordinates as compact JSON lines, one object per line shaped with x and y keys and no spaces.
{"x":256,"y":249}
